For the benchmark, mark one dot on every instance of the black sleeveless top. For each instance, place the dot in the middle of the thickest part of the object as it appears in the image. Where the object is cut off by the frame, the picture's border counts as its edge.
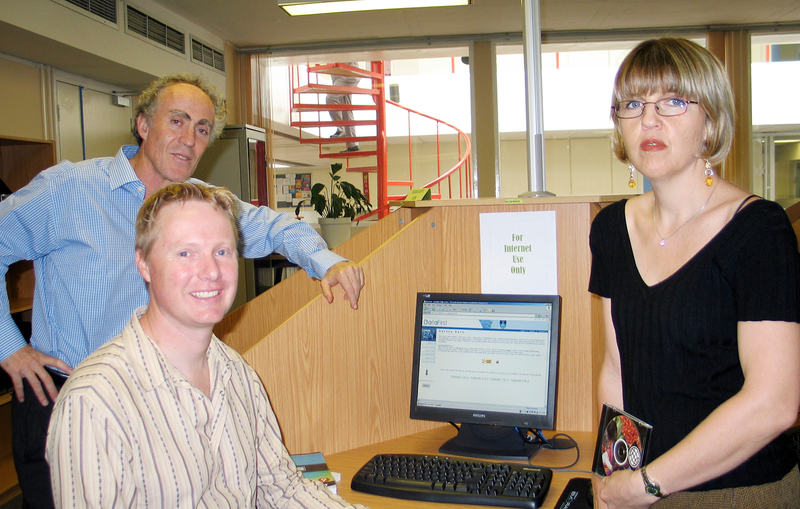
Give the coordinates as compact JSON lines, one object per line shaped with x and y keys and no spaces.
{"x":678,"y":339}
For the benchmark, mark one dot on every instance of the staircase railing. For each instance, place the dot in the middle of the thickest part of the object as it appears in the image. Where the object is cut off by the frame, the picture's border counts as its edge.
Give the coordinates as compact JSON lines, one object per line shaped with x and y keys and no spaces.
{"x":462,"y":167}
{"x":299,"y":87}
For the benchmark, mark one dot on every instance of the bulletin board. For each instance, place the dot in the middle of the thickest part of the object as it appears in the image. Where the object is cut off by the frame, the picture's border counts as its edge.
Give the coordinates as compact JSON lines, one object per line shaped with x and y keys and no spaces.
{"x":292,"y":188}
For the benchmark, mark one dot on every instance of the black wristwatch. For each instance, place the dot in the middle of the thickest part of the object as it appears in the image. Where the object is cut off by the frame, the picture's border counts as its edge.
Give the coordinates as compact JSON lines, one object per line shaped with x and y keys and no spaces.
{"x":650,"y":486}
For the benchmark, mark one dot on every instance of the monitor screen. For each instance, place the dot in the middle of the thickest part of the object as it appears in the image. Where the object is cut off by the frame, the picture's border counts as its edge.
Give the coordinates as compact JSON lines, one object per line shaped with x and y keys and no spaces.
{"x":489,"y":362}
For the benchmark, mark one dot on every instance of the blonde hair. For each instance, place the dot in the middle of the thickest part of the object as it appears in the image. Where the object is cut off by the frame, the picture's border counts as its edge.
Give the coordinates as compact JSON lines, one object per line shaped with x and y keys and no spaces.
{"x":149,"y":99}
{"x":182,"y":192}
{"x":679,"y":66}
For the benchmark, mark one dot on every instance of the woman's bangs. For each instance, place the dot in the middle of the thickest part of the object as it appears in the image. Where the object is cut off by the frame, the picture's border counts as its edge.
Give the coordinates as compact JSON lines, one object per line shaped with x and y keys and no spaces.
{"x":643,"y":80}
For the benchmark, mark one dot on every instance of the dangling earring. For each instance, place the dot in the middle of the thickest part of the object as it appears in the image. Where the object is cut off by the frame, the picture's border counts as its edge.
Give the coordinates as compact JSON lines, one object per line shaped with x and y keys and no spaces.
{"x":709,"y":174}
{"x":632,"y":181}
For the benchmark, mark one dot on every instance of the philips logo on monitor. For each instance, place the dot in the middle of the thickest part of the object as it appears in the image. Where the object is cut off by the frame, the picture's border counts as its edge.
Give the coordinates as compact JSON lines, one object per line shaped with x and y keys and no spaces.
{"x":427,"y":321}
{"x":479,"y":416}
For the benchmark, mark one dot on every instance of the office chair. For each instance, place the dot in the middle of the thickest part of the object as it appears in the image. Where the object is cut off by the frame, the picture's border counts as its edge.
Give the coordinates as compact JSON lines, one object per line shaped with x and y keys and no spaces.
{"x":793,"y":211}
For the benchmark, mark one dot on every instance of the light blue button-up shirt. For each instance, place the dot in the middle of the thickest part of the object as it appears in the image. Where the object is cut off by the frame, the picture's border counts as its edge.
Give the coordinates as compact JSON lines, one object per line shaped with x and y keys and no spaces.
{"x":77,"y":222}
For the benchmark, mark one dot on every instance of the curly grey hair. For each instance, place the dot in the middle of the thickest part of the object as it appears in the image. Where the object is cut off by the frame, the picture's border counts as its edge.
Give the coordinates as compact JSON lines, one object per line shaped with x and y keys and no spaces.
{"x":149,"y":99}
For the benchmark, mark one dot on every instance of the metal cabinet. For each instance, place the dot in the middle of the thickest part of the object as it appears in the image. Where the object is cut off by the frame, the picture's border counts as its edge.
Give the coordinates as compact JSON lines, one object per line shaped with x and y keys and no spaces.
{"x":237,"y":160}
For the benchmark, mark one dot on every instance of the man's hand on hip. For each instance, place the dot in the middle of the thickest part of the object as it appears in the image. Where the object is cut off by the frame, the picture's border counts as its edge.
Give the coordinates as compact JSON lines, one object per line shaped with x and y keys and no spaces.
{"x":27,"y":363}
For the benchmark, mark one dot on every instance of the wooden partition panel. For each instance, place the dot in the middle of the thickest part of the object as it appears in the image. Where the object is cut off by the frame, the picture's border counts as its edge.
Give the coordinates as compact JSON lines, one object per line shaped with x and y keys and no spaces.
{"x":244,"y":327}
{"x":340,"y":379}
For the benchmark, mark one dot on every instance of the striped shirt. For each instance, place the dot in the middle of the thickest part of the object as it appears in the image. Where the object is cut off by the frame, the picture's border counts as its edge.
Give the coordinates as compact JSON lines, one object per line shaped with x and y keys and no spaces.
{"x":77,"y":222}
{"x":128,"y":430}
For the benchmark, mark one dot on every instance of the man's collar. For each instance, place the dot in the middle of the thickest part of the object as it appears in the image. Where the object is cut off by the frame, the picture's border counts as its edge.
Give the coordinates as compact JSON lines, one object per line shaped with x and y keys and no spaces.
{"x":151,"y":365}
{"x":121,"y":172}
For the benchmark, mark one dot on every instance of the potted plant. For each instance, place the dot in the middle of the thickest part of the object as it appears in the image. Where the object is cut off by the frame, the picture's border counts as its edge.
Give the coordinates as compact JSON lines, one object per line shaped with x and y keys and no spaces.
{"x":338,"y":206}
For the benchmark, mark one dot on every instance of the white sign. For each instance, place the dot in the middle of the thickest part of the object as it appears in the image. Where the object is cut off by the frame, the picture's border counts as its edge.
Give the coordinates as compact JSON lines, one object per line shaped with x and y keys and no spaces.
{"x":518,"y":253}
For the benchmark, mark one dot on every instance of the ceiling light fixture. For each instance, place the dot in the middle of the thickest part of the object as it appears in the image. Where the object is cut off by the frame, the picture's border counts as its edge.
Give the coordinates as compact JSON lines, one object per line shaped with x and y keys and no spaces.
{"x":307,"y":7}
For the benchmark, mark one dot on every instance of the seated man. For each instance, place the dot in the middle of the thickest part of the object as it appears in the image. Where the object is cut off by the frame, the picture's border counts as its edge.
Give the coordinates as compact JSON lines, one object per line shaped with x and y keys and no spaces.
{"x":165,"y":414}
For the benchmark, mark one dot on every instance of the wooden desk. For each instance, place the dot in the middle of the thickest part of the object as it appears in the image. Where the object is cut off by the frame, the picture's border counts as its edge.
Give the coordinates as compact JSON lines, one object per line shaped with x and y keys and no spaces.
{"x":428,"y":442}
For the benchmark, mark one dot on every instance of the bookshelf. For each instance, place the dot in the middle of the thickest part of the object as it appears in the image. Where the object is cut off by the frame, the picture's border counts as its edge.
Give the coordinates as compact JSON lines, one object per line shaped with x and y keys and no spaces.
{"x":21,"y":159}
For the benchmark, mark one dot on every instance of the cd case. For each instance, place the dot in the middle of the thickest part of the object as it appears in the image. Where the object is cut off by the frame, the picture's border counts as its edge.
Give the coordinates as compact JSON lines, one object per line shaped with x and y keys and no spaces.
{"x":622,"y":442}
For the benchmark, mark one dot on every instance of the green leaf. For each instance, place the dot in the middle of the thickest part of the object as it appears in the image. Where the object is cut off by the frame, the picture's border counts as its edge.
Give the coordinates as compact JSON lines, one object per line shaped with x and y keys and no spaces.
{"x":343,"y":199}
{"x":318,"y":202}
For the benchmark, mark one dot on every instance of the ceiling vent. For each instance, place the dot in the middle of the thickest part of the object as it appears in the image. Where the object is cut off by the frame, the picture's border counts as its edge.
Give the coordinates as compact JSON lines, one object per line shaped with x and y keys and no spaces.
{"x":207,"y":55}
{"x":105,"y":9}
{"x":160,"y":33}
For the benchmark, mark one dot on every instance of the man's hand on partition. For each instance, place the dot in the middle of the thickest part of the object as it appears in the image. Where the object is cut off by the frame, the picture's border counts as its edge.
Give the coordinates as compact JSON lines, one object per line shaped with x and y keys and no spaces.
{"x":27,"y":363}
{"x":351,"y":278}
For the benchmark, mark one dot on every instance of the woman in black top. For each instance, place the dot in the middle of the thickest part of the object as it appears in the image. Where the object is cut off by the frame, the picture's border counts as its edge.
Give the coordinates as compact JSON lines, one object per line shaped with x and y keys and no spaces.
{"x":699,"y":283}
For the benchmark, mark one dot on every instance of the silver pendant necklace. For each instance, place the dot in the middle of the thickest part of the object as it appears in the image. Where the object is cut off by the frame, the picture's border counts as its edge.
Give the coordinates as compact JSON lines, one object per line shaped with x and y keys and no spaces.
{"x":663,"y":241}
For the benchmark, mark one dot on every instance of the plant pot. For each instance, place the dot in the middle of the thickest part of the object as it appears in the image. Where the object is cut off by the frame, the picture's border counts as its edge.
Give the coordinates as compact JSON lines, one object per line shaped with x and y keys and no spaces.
{"x":336,"y":230}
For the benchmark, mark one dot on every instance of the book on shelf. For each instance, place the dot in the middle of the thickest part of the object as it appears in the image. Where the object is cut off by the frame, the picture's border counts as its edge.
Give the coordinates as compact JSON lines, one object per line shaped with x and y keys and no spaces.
{"x":622,"y":441}
{"x":314,"y":467}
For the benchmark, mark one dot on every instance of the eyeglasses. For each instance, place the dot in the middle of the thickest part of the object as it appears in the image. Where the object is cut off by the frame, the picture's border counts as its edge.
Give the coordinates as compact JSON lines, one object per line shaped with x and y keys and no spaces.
{"x":667,"y":107}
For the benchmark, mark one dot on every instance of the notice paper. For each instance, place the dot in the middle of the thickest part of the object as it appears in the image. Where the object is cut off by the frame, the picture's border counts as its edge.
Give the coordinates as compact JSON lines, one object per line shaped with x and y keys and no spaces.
{"x":518,"y":253}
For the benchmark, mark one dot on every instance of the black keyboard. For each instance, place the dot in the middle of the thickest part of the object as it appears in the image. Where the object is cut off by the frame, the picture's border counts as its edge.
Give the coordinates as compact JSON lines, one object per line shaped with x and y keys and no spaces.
{"x":453,"y":480}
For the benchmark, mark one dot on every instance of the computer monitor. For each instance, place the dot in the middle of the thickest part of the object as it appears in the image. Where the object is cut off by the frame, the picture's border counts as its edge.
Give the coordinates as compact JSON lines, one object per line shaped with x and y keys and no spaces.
{"x":489,"y":362}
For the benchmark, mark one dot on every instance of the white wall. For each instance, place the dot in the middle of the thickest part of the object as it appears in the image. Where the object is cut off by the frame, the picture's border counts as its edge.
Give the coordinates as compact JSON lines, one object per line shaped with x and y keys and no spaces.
{"x":66,"y":26}
{"x":573,"y":167}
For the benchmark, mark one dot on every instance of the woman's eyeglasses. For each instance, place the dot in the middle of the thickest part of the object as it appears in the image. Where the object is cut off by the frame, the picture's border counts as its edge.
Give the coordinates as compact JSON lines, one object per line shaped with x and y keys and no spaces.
{"x":667,"y":107}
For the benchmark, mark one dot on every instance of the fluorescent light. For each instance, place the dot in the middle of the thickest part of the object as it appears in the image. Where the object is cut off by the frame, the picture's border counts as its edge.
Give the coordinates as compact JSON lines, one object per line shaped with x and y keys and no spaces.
{"x":307,"y":7}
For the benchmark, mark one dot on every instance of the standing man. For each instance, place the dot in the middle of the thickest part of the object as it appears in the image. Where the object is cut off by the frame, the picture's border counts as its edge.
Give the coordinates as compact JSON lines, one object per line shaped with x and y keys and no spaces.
{"x":166,"y":415}
{"x":346,"y":131}
{"x":76,"y":221}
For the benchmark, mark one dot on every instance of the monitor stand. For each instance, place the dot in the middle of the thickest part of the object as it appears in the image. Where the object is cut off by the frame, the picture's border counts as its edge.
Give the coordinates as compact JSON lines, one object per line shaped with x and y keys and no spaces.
{"x":499,"y":443}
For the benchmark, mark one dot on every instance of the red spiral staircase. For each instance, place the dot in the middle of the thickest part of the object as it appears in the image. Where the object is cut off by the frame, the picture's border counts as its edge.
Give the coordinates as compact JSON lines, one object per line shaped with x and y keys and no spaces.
{"x":308,"y":106}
